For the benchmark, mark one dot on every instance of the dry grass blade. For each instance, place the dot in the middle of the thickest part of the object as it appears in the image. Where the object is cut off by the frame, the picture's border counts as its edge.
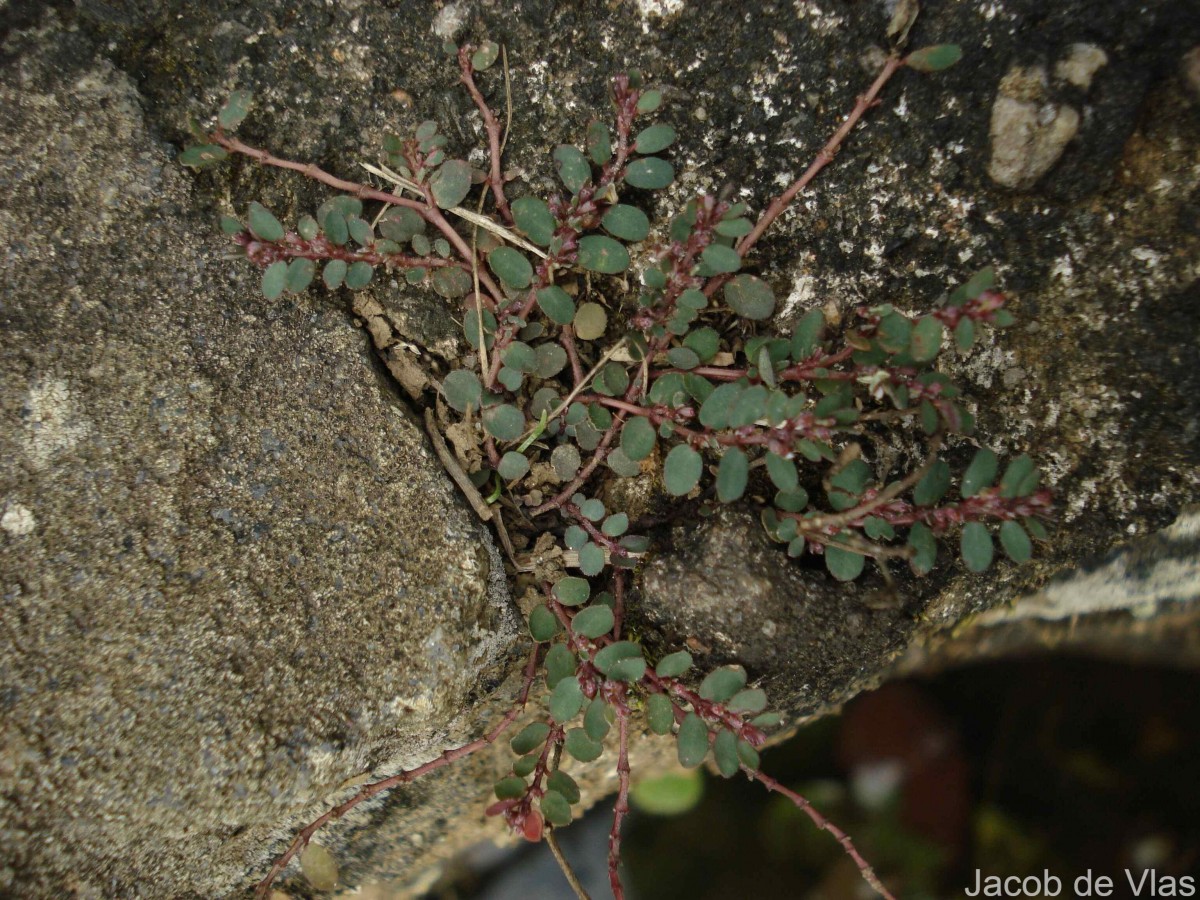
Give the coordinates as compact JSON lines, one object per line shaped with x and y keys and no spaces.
{"x":465,"y":214}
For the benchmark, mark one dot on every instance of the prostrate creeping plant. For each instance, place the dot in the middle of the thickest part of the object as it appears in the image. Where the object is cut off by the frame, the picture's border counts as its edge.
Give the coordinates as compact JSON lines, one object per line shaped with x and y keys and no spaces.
{"x":561,"y":390}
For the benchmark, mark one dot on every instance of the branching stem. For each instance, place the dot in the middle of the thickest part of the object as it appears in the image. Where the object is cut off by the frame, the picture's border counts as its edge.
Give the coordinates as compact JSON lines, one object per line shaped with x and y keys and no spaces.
{"x":824,"y":824}
{"x":823,"y":158}
{"x":561,"y":858}
{"x":621,"y":807}
{"x":495,"y":178}
{"x":429,"y":212}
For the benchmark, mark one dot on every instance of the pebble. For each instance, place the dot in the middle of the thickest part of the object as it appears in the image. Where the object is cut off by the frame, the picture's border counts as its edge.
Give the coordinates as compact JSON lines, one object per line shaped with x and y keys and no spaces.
{"x":1028,"y":131}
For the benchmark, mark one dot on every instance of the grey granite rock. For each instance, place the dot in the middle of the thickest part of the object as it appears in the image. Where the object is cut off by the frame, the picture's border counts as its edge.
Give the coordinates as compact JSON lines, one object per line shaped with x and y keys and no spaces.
{"x":233,"y":575}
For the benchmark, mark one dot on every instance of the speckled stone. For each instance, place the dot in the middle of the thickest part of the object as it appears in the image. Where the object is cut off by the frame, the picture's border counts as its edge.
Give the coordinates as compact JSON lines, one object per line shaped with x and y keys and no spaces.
{"x":233,"y":575}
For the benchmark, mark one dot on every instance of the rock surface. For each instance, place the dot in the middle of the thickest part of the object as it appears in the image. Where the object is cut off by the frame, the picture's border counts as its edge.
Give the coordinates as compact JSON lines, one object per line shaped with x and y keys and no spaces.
{"x":233,"y":574}
{"x":163,"y":425}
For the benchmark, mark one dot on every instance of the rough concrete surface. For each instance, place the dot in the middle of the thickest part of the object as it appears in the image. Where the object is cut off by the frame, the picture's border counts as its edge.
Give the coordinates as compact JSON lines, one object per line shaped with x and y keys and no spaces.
{"x":233,"y":575}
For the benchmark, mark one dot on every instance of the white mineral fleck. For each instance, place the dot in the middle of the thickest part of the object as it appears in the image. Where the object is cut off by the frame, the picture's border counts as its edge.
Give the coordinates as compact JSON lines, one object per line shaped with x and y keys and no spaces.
{"x":17,"y":520}
{"x":450,"y":20}
{"x":1080,"y":64}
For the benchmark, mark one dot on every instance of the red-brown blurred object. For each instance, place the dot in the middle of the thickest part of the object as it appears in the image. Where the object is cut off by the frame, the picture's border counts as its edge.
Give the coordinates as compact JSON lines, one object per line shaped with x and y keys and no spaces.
{"x":899,"y":724}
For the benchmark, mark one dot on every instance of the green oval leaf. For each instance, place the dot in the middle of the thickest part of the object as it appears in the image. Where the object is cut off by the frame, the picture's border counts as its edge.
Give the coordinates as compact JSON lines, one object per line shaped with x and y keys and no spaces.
{"x":609,"y":656}
{"x":591,"y":559}
{"x":806,"y":337}
{"x":649,"y":101}
{"x":361,"y":231}
{"x":735,"y":228}
{"x":692,"y":741}
{"x":359,"y":275}
{"x":721,"y":684}
{"x":626,"y":222}
{"x":668,"y":795}
{"x":593,"y":621}
{"x":511,"y":267}
{"x":513,"y":465}
{"x":300,"y":274}
{"x":520,"y":356}
{"x":682,"y":469}
{"x":1019,"y":472}
{"x":725,"y":753}
{"x":747,"y":754}
{"x":732,"y":475}
{"x":720,"y":405}
{"x":976,"y":546}
{"x":202,"y":156}
{"x":263,"y":224}
{"x":532,"y":216}
{"x":451,"y":282}
{"x":926,"y":339}
{"x":934,"y":59}
{"x":581,"y":746}
{"x":750,"y":297}
{"x":560,"y":663}
{"x":933,"y":486}
{"x":274,"y":280}
{"x":556,"y":304}
{"x":751,"y":700}
{"x":1015,"y":542}
{"x":556,"y":809}
{"x":983,"y":280}
{"x":572,"y":591}
{"x":598,"y":719}
{"x":572,"y":167}
{"x":964,"y":334}
{"x":719,"y":259}
{"x":673,"y":664}
{"x":335,"y":228}
{"x":488,"y":53}
{"x":526,"y":764}
{"x":660,"y":714}
{"x":653,"y":139}
{"x":782,"y":473}
{"x":560,"y":781}
{"x":592,"y":510}
{"x":650,"y":173}
{"x":510,"y":788}
{"x":334,"y":273}
{"x":530,"y":738}
{"x":551,"y":359}
{"x":599,"y":143}
{"x":924,"y":545}
{"x":590,"y":321}
{"x":400,"y":224}
{"x":504,"y":422}
{"x":543,"y":624}
{"x":565,"y":461}
{"x":602,"y":254}
{"x":308,"y":228}
{"x":843,"y":564}
{"x":638,"y":438}
{"x":704,"y":342}
{"x":566,"y":700}
{"x":629,"y":670}
{"x":451,"y":183}
{"x":980,"y":473}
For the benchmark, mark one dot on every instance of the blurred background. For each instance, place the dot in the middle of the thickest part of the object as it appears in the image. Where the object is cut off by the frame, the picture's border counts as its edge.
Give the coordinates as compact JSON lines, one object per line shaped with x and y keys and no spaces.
{"x":1059,"y":764}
